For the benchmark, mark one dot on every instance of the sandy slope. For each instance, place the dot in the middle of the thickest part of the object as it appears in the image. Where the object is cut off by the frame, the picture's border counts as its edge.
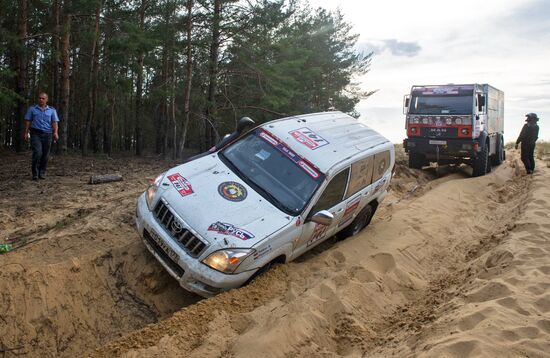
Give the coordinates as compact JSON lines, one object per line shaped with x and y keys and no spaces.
{"x":458,"y":270}
{"x":454,"y":266}
{"x":81,"y":277}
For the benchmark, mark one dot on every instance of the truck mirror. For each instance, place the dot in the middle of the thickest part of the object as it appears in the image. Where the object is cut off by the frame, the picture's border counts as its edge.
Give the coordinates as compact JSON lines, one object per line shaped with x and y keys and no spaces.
{"x":406,"y":102}
{"x":480,"y":102}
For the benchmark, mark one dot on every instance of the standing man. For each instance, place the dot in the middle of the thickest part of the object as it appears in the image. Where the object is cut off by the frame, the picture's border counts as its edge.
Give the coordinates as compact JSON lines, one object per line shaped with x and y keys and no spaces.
{"x":42,"y":120}
{"x":528,"y":136}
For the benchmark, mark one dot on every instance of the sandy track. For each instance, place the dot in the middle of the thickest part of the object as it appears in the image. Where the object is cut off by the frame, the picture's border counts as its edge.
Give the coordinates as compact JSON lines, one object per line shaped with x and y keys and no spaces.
{"x":453,"y":266}
{"x":416,"y":282}
{"x":81,"y":278}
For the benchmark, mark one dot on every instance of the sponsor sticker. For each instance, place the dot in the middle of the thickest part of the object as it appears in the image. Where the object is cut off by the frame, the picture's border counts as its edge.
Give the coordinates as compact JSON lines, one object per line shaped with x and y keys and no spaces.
{"x":181,"y":184}
{"x":380,"y":184}
{"x":319,"y":233}
{"x":281,"y":147}
{"x":351,"y":207}
{"x":232,"y":191}
{"x":308,"y":138}
{"x":230,"y":229}
{"x":262,"y":252}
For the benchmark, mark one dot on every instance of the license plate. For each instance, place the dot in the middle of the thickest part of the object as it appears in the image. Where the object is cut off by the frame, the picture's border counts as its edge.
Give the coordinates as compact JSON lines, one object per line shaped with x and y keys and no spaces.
{"x":164,"y":246}
{"x":438,"y":142}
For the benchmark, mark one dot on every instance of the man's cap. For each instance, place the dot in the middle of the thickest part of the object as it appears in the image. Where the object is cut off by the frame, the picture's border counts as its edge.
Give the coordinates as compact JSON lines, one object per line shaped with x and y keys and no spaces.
{"x":532,"y":116}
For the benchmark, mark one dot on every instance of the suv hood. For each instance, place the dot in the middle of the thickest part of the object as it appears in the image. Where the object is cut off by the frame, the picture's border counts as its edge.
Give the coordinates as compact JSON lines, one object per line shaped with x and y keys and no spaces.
{"x":215,"y":203}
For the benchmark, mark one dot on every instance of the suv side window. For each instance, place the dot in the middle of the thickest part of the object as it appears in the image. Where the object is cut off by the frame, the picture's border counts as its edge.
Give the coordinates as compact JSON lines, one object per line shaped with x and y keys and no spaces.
{"x":381,"y":164}
{"x":361,"y":175}
{"x":334,"y":192}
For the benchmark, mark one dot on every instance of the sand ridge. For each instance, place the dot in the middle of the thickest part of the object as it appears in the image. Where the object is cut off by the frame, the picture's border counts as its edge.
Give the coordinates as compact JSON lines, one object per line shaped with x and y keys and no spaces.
{"x":429,"y":262}
{"x":450,"y":267}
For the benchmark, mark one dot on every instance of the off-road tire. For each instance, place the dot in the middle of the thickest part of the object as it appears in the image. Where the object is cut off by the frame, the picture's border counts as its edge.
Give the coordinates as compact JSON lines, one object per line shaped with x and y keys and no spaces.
{"x":480,"y":164}
{"x":499,"y":156}
{"x":361,"y":221}
{"x":416,"y":161}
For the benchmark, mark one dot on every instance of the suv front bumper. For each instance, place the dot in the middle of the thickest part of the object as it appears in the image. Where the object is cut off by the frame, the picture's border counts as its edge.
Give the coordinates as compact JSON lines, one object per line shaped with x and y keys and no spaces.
{"x":191,"y":274}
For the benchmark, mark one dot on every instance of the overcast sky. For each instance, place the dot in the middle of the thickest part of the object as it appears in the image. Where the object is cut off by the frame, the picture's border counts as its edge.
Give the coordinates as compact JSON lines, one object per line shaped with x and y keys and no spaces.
{"x":505,"y":43}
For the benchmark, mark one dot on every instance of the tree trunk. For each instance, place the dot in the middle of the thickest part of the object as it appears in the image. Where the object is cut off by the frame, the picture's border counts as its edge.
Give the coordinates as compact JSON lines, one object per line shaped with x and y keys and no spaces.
{"x":65,"y":93}
{"x":21,"y":71}
{"x":211,"y":136}
{"x":56,"y":60}
{"x":188,"y":78}
{"x":93,"y":81}
{"x":139,"y":85}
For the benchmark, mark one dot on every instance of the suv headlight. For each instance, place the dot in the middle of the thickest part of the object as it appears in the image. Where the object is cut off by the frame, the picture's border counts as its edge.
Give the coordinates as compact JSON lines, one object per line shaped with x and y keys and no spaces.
{"x":152,"y":191}
{"x":227,"y":260}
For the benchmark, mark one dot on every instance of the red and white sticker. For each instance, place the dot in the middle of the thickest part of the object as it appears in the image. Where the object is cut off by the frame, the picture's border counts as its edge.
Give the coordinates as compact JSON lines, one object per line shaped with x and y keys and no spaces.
{"x":312,"y":172}
{"x":269,"y":138}
{"x":308,"y":138}
{"x":181,"y":184}
{"x":351,"y":207}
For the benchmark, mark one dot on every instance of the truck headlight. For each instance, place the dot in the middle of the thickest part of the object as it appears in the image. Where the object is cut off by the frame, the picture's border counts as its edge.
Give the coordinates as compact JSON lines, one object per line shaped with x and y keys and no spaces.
{"x":228,"y":260}
{"x":152,"y":191}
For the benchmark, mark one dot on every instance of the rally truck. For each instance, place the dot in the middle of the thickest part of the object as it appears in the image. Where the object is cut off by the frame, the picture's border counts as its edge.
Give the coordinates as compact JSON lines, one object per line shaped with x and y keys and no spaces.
{"x":453,"y":124}
{"x":262,"y":196}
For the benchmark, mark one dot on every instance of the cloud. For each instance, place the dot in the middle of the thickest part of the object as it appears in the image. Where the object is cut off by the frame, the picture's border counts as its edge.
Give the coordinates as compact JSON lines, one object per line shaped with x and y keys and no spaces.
{"x":395,"y":47}
{"x":530,"y":21}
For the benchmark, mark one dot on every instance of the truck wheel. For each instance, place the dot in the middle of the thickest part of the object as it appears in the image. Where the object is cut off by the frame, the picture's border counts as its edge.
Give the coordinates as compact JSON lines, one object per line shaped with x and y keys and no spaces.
{"x":416,"y":161}
{"x":480,"y":164}
{"x":499,"y":156}
{"x":361,"y":221}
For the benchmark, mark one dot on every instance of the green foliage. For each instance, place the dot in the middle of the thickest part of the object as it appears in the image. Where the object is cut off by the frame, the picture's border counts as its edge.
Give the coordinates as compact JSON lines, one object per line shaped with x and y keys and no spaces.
{"x":277,"y":57}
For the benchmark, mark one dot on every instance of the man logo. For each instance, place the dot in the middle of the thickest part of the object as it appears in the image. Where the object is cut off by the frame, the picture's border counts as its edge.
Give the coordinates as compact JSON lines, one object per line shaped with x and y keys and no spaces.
{"x":176,"y":227}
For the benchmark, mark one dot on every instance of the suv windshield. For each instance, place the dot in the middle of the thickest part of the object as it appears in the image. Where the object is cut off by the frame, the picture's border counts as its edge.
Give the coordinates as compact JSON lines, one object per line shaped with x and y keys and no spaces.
{"x":441,"y":105}
{"x":274,"y":170}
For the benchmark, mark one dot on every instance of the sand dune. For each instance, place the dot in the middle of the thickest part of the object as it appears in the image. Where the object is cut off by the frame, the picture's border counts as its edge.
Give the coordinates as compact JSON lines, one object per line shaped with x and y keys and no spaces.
{"x":458,"y":270}
{"x":450,"y":267}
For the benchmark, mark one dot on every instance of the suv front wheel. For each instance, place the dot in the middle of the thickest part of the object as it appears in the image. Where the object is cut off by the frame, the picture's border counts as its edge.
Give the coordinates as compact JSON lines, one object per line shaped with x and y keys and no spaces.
{"x":361,"y":221}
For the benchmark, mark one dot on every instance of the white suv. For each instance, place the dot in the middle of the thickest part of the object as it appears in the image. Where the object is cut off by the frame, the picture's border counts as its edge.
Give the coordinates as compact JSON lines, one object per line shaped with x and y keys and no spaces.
{"x":265,"y":196}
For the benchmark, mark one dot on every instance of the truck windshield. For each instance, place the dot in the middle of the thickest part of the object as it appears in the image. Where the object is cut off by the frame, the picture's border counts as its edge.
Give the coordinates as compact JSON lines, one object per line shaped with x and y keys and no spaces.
{"x":441,"y":105}
{"x":273,"y":170}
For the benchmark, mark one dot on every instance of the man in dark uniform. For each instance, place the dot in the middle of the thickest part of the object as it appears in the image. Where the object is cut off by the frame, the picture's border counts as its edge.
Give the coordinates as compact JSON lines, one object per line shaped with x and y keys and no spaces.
{"x":41,"y":120}
{"x":528,"y":136}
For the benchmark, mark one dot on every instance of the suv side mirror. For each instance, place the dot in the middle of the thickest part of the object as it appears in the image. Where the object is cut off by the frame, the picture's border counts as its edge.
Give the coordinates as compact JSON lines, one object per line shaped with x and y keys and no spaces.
{"x":243,"y":123}
{"x":323,"y":217}
{"x":406,"y":103}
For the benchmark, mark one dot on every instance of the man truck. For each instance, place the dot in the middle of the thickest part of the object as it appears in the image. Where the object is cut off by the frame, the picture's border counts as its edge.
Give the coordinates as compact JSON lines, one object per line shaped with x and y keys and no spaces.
{"x":454,"y":124}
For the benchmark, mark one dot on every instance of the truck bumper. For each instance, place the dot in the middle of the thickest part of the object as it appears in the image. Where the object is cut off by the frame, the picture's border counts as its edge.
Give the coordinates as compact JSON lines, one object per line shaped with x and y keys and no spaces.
{"x":448,"y":148}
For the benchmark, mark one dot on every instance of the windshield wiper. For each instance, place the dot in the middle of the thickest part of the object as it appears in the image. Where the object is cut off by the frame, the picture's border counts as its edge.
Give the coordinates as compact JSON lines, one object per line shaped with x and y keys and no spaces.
{"x":274,"y":200}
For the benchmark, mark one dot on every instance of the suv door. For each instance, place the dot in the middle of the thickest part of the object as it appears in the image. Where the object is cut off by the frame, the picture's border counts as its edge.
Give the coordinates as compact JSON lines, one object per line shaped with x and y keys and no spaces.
{"x":332,"y":200}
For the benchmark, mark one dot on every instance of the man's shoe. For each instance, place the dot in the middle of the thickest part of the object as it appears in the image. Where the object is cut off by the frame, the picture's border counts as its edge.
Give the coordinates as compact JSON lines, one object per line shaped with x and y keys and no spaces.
{"x":41,"y":176}
{"x":34,"y":178}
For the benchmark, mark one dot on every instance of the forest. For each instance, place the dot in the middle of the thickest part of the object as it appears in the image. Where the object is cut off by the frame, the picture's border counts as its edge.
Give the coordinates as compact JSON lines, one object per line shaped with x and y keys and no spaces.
{"x":168,"y":77}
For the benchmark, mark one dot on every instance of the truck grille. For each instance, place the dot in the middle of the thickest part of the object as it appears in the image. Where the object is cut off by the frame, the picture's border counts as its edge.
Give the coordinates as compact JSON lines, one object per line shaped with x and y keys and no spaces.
{"x":186,"y":240}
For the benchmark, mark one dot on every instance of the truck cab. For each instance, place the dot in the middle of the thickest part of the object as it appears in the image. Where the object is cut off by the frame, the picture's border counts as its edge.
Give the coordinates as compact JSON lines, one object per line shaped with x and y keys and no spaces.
{"x":453,"y":124}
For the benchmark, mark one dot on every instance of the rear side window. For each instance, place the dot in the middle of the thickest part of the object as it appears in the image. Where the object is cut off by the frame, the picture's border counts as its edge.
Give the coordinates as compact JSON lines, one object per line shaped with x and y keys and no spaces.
{"x":381,"y":164}
{"x":334,"y":192}
{"x":361,"y":175}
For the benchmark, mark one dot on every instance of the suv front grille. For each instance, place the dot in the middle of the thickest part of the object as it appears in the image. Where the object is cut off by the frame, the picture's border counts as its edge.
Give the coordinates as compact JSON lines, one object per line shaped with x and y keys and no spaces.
{"x":164,"y":256}
{"x":186,"y":240}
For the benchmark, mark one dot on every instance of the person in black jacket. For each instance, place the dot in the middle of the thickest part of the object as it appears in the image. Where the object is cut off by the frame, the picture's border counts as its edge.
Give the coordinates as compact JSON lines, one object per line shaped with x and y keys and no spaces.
{"x":528,"y":136}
